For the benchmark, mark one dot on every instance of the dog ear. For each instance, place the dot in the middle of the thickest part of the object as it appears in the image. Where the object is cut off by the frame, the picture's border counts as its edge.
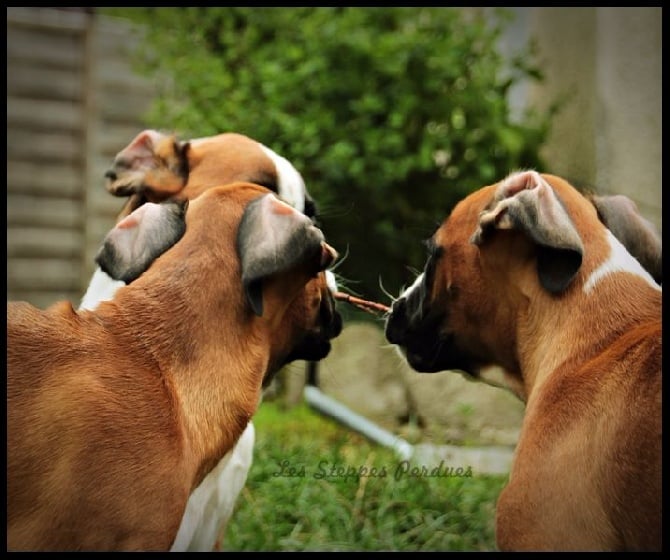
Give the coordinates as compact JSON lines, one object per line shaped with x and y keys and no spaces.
{"x":640,"y":237}
{"x":154,"y":165}
{"x":526,"y":202}
{"x":273,"y":238}
{"x":140,"y":238}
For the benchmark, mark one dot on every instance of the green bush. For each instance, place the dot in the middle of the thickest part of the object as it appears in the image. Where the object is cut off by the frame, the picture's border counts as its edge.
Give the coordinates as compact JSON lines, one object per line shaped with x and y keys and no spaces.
{"x":391,"y":114}
{"x":322,"y":504}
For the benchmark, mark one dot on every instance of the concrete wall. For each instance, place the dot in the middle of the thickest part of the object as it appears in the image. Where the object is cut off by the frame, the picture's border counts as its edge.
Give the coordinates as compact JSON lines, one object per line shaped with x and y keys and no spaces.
{"x":607,"y":61}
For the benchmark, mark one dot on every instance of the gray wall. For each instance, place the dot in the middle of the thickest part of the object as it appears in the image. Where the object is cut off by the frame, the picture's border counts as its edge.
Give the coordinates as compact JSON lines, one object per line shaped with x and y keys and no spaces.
{"x":608,"y":60}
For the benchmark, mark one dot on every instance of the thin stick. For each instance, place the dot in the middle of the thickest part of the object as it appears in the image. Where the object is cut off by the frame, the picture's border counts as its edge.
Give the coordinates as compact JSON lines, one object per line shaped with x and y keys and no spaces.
{"x":364,"y":304}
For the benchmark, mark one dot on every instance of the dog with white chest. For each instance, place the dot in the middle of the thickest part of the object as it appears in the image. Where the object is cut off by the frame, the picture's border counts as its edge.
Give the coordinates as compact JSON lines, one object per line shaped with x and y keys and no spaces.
{"x":525,"y":275}
{"x":153,"y":167}
{"x":109,"y":430}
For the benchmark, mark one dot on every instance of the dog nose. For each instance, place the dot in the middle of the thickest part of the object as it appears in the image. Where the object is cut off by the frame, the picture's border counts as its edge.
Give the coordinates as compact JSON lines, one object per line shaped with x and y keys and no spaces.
{"x":395,"y":329}
{"x":110,"y":174}
{"x":335,"y":325}
{"x":330,"y":317}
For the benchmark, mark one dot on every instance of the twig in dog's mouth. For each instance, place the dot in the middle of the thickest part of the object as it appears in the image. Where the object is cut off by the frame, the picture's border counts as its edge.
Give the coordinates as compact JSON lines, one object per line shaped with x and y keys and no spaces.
{"x":364,"y":304}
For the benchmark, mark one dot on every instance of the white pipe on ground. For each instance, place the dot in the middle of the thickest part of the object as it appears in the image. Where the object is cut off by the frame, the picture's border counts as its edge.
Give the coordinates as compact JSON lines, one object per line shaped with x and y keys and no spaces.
{"x":330,"y":407}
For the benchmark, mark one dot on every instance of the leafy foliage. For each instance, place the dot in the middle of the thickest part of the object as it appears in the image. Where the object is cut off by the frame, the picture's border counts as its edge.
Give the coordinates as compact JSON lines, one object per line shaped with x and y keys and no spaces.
{"x":391,"y":114}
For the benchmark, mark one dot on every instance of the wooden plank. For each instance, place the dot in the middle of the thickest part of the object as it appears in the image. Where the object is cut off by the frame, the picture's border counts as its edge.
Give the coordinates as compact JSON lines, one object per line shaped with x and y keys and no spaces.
{"x":57,"y":154}
{"x":63,"y":84}
{"x":42,"y":147}
{"x":43,"y":274}
{"x":117,"y":38}
{"x":37,"y":242}
{"x":123,"y":106}
{"x":42,"y":19}
{"x":37,"y":178}
{"x":49,"y":49}
{"x":44,"y":114}
{"x":118,"y":73}
{"x":126,"y":80}
{"x":45,"y":212}
{"x":104,"y":205}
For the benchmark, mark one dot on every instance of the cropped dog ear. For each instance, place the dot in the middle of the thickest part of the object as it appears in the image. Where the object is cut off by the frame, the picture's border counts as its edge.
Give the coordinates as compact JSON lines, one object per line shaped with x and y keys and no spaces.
{"x":154,"y":165}
{"x":526,"y":202}
{"x":274,"y":238}
{"x":140,"y":238}
{"x":640,"y":237}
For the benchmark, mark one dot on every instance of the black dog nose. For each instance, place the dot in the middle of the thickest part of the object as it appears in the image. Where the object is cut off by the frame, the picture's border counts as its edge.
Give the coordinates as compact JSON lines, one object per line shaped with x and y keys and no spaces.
{"x":110,"y":174}
{"x":396,"y":322}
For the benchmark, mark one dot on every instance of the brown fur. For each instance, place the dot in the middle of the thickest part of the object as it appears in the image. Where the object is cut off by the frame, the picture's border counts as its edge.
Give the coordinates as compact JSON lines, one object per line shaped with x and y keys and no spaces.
{"x":157,"y":166}
{"x":115,"y":416}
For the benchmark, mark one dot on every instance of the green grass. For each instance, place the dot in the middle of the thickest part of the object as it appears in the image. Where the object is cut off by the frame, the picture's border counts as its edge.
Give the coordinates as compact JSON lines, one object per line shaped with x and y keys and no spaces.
{"x":320,"y":503}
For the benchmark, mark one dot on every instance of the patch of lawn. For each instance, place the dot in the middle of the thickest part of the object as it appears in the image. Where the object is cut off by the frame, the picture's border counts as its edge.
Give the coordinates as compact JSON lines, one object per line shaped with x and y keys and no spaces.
{"x":317,"y":486}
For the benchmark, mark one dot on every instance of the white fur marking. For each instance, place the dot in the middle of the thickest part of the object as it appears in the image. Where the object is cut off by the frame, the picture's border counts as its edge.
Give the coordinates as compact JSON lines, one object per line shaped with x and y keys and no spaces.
{"x":101,"y":288}
{"x":331,"y":281}
{"x":211,"y":504}
{"x":619,"y":260}
{"x":291,"y":184}
{"x":413,"y":287}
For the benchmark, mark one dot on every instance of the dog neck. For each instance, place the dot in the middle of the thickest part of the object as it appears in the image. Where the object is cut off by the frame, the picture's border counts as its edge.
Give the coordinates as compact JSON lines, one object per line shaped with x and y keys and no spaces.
{"x":212,"y":373}
{"x":576,"y":328}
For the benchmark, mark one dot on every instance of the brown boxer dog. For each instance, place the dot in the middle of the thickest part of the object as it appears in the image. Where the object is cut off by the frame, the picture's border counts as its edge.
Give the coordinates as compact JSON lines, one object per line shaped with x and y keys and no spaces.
{"x":153,"y":167}
{"x":524,"y":275}
{"x":115,"y":415}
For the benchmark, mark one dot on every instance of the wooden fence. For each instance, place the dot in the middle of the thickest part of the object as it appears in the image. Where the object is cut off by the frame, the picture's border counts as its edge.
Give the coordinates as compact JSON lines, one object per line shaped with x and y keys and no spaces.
{"x":73,"y":101}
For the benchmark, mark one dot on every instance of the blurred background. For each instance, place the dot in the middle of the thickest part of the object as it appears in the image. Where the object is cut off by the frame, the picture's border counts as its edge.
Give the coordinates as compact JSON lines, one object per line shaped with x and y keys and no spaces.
{"x":390,"y":114}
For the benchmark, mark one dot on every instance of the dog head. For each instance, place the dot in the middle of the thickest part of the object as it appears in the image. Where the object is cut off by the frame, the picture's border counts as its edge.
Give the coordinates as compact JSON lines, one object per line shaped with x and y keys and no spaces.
{"x":235,"y":247}
{"x":530,"y":237}
{"x":156,"y":166}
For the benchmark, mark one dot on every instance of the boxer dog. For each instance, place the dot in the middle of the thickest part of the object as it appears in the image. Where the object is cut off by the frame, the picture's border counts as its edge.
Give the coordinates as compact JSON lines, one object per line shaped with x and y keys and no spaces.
{"x":525,"y":275}
{"x":154,"y":167}
{"x":115,"y":415}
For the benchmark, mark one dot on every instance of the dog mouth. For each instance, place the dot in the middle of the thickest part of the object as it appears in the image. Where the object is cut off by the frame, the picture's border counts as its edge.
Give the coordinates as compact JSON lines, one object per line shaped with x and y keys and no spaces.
{"x":421,"y":339}
{"x":316,"y":343}
{"x":114,"y":180}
